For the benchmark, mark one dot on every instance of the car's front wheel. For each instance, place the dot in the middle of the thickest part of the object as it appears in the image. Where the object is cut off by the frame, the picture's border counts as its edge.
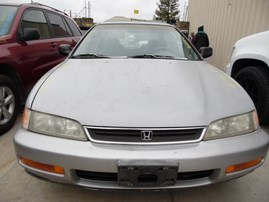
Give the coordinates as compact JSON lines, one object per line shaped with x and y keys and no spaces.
{"x":8,"y":103}
{"x":255,"y":81}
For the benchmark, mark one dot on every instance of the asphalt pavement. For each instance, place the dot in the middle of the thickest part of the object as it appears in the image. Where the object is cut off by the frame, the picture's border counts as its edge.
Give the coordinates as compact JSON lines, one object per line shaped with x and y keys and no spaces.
{"x":17,"y":185}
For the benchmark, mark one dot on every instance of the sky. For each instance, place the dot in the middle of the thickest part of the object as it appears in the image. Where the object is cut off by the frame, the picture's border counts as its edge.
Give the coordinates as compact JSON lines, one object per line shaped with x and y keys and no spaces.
{"x":102,"y":10}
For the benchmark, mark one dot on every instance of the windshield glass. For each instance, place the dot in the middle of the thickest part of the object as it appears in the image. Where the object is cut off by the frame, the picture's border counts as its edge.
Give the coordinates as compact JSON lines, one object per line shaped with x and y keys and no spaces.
{"x":7,"y":14}
{"x":137,"y":41}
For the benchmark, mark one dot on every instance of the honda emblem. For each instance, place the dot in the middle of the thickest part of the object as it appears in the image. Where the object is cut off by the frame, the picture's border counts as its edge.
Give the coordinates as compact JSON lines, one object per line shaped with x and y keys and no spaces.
{"x":146,"y":135}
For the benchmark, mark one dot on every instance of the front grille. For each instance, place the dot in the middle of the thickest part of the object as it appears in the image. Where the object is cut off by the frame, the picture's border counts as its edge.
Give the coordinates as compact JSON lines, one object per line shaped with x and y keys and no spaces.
{"x":119,"y":135}
{"x":113,"y":177}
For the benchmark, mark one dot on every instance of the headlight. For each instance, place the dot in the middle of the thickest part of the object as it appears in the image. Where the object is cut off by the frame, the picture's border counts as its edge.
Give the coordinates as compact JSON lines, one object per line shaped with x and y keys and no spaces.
{"x":52,"y":125}
{"x":232,"y":126}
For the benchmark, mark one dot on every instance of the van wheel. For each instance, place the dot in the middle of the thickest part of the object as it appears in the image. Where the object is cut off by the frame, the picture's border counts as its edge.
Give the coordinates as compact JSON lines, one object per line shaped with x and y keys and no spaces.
{"x":9,"y":104}
{"x":255,"y":81}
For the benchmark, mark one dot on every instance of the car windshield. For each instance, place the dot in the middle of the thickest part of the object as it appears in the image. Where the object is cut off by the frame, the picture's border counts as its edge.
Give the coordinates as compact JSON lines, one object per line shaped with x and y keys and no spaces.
{"x":135,"y":41}
{"x":7,"y":14}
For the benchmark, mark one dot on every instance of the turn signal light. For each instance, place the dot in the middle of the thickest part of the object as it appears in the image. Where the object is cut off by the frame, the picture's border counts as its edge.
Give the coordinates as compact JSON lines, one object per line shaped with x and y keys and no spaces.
{"x":243,"y":166}
{"x":42,"y":166}
{"x":25,"y":118}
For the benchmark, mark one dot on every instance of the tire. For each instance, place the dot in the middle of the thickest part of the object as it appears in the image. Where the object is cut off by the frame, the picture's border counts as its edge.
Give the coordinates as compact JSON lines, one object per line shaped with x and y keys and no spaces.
{"x":255,"y":80}
{"x":9,"y":104}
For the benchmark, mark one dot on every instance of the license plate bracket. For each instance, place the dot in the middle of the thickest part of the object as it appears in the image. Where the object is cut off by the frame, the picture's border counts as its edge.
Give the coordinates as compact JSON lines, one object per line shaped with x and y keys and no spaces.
{"x":147,"y":174}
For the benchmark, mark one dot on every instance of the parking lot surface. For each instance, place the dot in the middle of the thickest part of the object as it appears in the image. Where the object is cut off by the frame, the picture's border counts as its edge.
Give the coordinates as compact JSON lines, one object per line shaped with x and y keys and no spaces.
{"x":17,"y":185}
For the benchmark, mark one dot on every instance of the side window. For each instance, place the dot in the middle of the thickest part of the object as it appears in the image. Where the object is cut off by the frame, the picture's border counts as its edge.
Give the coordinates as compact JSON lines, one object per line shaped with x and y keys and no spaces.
{"x":73,"y":27}
{"x":36,"y":19}
{"x":58,"y":25}
{"x":67,"y":28}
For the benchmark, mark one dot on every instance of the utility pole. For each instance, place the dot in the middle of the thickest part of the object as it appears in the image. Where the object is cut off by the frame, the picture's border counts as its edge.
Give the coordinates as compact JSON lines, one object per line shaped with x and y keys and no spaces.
{"x":85,"y":9}
{"x":185,"y":12}
{"x":70,"y":12}
{"x":89,"y":9}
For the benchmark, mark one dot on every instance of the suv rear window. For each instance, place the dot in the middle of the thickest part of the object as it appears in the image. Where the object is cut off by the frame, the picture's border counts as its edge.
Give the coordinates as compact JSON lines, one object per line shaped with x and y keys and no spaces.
{"x":73,"y":27}
{"x":7,"y":14}
{"x":58,"y":25}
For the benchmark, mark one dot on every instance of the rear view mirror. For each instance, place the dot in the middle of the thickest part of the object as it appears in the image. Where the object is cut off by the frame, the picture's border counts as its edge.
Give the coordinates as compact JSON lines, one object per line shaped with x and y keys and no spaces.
{"x":206,"y":52}
{"x":30,"y":34}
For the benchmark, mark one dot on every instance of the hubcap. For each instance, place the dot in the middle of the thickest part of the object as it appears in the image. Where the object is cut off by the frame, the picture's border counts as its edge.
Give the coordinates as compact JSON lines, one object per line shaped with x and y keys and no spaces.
{"x":7,"y":104}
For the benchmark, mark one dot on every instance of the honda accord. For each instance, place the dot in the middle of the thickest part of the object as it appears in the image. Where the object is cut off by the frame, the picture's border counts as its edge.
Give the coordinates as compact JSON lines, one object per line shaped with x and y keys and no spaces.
{"x":135,"y":106}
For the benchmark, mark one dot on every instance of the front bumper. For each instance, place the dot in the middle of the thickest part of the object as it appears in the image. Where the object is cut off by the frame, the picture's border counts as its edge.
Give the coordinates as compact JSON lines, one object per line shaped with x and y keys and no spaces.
{"x":95,"y":166}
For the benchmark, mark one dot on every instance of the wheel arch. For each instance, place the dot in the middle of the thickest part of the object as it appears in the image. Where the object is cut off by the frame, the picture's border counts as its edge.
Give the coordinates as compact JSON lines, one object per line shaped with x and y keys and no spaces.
{"x":256,"y":74}
{"x":242,"y":63}
{"x":8,"y":71}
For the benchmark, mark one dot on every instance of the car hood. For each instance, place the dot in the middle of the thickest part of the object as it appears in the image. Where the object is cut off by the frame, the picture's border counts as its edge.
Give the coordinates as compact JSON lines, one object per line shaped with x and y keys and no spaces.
{"x":140,"y":93}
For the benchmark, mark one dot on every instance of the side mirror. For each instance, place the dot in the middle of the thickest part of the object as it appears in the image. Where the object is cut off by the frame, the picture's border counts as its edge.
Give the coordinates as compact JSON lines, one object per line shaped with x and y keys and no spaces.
{"x":206,"y":52}
{"x":65,"y":49}
{"x":30,"y":34}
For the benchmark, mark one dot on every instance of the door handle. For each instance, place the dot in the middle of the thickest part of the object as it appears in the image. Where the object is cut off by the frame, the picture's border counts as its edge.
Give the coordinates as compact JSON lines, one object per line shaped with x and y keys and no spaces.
{"x":53,"y":44}
{"x":73,"y":43}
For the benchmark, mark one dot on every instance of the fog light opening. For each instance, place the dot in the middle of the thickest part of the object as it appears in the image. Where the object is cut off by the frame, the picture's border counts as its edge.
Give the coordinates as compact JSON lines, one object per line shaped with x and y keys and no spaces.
{"x":243,"y":166}
{"x":42,"y":166}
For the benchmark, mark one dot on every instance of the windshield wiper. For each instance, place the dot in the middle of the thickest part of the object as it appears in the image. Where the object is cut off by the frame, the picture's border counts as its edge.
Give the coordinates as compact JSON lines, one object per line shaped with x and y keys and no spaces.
{"x":156,"y":56}
{"x":150,"y":56}
{"x":89,"y":56}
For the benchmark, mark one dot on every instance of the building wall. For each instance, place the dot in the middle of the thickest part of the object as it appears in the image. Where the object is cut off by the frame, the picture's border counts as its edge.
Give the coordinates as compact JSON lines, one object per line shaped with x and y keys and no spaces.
{"x":84,"y":22}
{"x":226,"y":21}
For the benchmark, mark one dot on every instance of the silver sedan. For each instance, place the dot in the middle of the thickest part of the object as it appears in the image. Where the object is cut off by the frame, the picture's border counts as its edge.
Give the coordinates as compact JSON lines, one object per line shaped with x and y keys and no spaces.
{"x":135,"y":106}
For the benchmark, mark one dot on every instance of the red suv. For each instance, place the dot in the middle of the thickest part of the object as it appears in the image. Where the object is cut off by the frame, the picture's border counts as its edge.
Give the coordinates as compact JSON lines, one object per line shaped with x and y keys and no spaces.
{"x":30,"y":35}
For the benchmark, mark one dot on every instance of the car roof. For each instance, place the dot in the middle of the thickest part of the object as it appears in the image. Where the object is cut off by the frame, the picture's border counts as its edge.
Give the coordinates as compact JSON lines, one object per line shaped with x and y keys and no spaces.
{"x":35,"y":5}
{"x":10,"y":4}
{"x":135,"y":23}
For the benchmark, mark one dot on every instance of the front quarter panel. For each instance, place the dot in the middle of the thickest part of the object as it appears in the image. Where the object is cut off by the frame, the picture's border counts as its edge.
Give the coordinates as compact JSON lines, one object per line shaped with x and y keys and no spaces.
{"x":252,"y":47}
{"x":37,"y":86}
